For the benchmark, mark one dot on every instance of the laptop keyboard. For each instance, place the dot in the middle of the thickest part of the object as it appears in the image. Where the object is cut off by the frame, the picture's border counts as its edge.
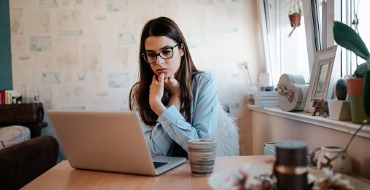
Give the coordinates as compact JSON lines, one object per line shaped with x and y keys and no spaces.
{"x":159,"y":164}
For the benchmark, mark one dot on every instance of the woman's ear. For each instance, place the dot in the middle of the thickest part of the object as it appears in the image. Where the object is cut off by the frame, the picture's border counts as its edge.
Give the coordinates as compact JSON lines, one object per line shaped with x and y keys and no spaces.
{"x":182,"y":49}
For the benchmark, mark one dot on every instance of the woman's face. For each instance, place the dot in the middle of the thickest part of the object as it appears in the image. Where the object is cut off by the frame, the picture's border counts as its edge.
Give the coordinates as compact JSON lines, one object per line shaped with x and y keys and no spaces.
{"x":165,"y":46}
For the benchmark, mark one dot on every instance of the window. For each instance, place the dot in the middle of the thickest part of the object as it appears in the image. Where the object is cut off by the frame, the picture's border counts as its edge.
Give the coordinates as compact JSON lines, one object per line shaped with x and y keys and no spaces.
{"x":317,"y":6}
{"x":356,"y":15}
{"x":283,"y":54}
{"x":346,"y":12}
{"x":295,"y":54}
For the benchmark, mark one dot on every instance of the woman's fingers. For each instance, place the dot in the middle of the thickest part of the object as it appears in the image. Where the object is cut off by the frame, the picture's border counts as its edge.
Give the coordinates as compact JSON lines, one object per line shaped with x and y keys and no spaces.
{"x":156,"y":90}
{"x":157,"y":86}
{"x":171,"y":84}
{"x":154,"y":79}
{"x":158,"y":79}
{"x":171,"y":79}
{"x":161,"y":78}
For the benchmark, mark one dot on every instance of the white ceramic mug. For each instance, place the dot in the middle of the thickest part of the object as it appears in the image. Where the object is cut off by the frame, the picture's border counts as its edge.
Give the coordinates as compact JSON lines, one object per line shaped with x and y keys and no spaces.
{"x":202,"y":156}
{"x":340,"y":164}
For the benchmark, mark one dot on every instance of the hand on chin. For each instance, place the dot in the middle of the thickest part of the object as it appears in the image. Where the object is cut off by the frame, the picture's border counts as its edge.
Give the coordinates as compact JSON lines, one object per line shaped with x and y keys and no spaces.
{"x":166,"y":75}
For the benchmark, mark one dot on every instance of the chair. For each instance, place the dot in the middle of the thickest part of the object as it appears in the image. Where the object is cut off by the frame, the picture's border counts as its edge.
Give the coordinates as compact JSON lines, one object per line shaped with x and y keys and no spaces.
{"x":24,"y":161}
{"x":227,"y":137}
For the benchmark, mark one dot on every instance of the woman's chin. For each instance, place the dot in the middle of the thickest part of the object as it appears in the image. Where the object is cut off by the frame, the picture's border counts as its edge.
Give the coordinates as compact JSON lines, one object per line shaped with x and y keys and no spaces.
{"x":166,"y":75}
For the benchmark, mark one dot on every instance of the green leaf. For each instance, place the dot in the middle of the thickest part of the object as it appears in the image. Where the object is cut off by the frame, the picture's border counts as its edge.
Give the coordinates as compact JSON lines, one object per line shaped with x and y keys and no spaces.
{"x":361,"y":70}
{"x":346,"y":37}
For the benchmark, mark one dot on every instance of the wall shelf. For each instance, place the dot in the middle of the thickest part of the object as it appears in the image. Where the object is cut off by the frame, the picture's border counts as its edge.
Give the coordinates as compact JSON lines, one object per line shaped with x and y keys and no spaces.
{"x":344,"y":126}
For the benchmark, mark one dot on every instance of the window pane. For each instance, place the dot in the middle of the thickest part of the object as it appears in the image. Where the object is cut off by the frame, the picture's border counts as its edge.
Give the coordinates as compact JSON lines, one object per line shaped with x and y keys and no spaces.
{"x":287,"y":54}
{"x":364,"y":23}
{"x":294,"y":58}
{"x":349,"y":9}
{"x":317,"y":11}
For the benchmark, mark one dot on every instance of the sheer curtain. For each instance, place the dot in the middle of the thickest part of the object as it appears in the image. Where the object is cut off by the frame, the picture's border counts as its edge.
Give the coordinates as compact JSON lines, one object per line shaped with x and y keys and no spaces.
{"x":283,"y":54}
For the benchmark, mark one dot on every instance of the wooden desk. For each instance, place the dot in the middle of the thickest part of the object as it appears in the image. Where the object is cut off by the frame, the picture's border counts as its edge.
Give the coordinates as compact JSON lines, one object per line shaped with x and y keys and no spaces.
{"x":63,"y":176}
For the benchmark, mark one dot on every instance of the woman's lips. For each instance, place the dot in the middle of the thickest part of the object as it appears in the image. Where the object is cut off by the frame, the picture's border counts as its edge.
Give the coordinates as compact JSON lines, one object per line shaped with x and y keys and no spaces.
{"x":162,"y":70}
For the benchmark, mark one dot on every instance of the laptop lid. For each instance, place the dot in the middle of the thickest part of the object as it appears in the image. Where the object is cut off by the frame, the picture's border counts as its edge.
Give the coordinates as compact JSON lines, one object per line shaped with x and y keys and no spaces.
{"x":106,"y":141}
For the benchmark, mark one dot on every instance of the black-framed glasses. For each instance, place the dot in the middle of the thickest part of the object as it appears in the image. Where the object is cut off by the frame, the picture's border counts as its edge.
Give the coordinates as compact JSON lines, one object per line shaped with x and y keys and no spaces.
{"x":166,"y":53}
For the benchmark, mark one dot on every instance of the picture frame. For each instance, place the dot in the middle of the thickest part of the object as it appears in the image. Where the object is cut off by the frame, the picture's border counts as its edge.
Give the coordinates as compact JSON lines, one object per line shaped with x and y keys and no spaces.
{"x":320,"y":81}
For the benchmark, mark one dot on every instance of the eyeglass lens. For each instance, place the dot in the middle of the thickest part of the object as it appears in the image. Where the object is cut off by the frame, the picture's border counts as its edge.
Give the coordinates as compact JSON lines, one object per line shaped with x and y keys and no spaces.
{"x":164,"y":54}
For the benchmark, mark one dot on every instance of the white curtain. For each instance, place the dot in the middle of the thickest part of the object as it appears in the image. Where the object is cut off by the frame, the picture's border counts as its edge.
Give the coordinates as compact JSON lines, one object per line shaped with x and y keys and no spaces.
{"x":283,"y":54}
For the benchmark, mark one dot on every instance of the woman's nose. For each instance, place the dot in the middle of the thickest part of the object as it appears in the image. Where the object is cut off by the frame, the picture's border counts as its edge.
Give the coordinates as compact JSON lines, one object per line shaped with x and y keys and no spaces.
{"x":159,"y":60}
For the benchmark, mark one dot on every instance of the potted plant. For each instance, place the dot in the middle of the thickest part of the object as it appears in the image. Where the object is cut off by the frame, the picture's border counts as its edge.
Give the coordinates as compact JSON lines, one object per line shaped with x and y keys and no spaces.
{"x":339,"y":109}
{"x":346,"y":37}
{"x":295,"y":19}
{"x":349,"y":39}
{"x":294,"y":15}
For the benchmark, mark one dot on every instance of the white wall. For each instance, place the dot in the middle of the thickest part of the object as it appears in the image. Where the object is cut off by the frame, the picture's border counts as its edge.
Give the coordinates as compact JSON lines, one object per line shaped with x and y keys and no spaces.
{"x":83,"y":54}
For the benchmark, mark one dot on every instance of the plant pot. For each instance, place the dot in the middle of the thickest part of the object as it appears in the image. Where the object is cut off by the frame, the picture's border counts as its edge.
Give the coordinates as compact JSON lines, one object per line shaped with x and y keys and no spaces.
{"x":356,"y":98}
{"x":339,"y":110}
{"x":340,"y":164}
{"x":295,"y":19}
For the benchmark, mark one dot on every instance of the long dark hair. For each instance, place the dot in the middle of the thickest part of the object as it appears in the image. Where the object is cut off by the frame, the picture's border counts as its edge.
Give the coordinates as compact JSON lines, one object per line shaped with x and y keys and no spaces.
{"x":139,"y":93}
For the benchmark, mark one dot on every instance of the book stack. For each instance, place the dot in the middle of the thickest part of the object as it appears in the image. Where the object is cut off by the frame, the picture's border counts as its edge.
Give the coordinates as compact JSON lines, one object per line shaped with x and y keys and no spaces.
{"x":10,"y":97}
{"x":266,"y":99}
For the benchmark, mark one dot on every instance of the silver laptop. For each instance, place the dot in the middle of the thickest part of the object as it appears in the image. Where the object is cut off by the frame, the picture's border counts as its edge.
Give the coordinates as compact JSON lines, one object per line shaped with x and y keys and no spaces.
{"x":107,"y":141}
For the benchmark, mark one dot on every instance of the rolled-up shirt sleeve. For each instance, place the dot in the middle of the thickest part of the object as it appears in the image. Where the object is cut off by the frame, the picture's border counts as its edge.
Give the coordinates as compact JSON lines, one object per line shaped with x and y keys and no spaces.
{"x":157,"y":139}
{"x":172,"y":126}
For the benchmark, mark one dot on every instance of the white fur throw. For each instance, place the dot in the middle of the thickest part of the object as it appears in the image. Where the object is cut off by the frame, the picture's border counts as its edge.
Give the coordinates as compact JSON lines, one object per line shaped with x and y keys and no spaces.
{"x":227,"y":137}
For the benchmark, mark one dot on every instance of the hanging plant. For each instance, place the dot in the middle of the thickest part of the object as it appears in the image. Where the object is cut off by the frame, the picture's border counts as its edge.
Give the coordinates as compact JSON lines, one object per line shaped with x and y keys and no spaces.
{"x":294,"y":14}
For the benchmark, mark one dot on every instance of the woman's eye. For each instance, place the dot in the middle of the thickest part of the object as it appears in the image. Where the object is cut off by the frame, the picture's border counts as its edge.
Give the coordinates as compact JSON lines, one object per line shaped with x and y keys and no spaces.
{"x":166,"y":52}
{"x":150,"y":55}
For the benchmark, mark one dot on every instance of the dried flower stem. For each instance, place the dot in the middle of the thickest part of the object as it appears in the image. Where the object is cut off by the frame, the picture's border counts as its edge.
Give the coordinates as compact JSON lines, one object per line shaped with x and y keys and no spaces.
{"x":245,"y":66}
{"x":349,"y":143}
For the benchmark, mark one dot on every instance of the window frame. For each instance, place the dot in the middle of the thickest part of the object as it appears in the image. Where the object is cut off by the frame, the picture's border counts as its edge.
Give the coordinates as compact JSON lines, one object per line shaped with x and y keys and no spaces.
{"x":272,"y":38}
{"x":316,"y":40}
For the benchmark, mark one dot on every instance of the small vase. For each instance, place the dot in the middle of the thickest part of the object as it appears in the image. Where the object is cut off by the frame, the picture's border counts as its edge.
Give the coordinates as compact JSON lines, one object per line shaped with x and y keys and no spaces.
{"x":341,"y":164}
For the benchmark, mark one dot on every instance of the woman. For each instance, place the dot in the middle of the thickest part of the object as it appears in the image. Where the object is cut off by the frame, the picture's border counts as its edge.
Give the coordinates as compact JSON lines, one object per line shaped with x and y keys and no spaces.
{"x":175,"y":101}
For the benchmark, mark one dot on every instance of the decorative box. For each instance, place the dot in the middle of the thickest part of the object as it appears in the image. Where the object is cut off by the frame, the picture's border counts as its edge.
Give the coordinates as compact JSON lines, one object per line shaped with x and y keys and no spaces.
{"x":292,"y":91}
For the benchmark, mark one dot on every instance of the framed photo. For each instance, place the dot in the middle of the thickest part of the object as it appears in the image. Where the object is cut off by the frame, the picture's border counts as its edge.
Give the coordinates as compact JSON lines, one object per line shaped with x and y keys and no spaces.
{"x":320,"y":82}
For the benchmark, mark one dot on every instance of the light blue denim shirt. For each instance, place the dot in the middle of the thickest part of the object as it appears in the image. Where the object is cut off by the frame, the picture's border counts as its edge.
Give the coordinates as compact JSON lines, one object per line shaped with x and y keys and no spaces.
{"x":171,"y":125}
